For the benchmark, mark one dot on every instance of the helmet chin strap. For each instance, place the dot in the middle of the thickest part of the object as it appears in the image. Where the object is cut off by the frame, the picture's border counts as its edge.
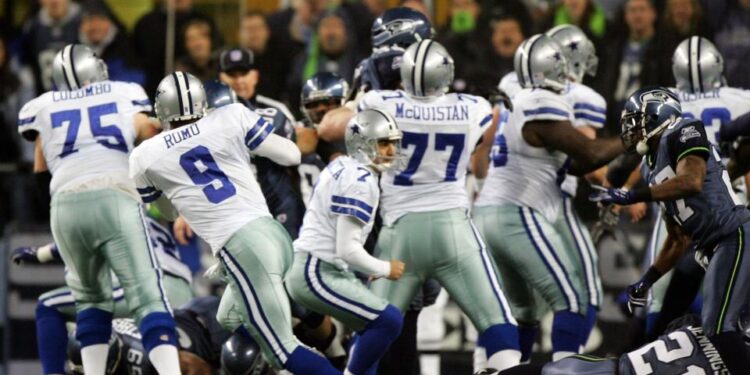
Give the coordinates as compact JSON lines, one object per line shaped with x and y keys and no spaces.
{"x":642,"y":146}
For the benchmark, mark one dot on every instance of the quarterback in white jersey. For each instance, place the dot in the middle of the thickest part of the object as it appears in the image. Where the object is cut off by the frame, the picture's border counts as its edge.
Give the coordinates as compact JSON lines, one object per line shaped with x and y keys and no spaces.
{"x":426,"y":196}
{"x":339,"y":217}
{"x":521,"y":197}
{"x":83,"y":133}
{"x":202,"y":168}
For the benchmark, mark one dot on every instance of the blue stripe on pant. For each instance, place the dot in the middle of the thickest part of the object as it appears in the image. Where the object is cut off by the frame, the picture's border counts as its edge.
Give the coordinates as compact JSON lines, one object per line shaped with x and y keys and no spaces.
{"x":327,"y":295}
{"x":585,"y":252}
{"x":256,"y":316}
{"x":155,"y":264}
{"x":548,"y":256}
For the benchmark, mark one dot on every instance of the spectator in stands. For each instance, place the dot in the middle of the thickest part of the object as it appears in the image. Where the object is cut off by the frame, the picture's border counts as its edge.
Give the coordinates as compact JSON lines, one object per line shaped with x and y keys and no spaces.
{"x":463,"y":29}
{"x":485,"y":71}
{"x":255,"y":35}
{"x":417,"y":5}
{"x":53,"y":27}
{"x":150,"y":43}
{"x":630,"y":60}
{"x":730,"y":22}
{"x":330,"y":50}
{"x":197,"y":59}
{"x":585,"y":14}
{"x":107,"y":38}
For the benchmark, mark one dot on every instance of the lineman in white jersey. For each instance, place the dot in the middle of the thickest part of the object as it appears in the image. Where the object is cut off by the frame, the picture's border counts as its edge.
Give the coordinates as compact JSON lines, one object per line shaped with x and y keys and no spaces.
{"x":202,"y":167}
{"x":521,"y":197}
{"x":424,"y":204}
{"x":698,"y":69}
{"x":83,"y":135}
{"x":339,"y":217}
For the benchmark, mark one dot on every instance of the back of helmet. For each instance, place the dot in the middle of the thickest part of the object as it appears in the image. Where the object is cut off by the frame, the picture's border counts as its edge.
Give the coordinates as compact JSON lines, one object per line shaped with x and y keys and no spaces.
{"x":427,"y":69}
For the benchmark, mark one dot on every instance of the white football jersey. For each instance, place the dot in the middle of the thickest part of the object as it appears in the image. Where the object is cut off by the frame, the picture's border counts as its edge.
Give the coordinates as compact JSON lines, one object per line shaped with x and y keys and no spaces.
{"x":522,"y":174}
{"x":509,"y":84}
{"x":589,"y":109}
{"x":714,"y":107}
{"x":204,"y":170}
{"x":439,"y":136}
{"x":87,"y":133}
{"x":345,"y":187}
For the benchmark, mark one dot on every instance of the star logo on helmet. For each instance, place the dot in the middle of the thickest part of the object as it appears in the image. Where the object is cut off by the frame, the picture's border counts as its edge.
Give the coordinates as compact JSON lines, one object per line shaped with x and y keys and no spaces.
{"x":573,"y":46}
{"x":557,"y":56}
{"x":446,"y":61}
{"x":355,"y":129}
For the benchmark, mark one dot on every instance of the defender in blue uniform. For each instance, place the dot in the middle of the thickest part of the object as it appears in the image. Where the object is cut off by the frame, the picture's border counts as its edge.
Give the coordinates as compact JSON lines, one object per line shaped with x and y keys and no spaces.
{"x":690,"y":183}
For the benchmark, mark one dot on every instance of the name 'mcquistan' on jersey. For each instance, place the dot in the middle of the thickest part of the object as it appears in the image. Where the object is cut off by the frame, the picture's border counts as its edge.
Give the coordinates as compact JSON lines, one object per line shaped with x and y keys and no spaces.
{"x":79,"y":129}
{"x":439,"y":135}
{"x":214,"y":187}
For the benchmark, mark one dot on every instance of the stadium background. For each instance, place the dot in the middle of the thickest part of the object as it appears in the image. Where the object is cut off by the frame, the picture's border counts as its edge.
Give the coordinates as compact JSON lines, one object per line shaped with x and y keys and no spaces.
{"x":634,"y":40}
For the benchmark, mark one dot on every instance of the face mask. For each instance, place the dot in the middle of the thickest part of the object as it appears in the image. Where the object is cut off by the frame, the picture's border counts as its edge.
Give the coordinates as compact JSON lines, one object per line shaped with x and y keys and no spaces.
{"x":462,"y":22}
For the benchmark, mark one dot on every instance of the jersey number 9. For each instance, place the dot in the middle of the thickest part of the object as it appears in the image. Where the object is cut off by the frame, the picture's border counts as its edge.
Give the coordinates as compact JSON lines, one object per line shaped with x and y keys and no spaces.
{"x":202,"y":169}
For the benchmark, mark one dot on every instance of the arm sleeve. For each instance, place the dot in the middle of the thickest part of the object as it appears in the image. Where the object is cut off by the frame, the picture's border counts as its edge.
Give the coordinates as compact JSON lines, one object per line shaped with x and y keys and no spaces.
{"x":688,"y":139}
{"x":260,"y":140}
{"x":483,"y":117}
{"x":349,"y":248}
{"x":28,"y":123}
{"x":546,"y":107}
{"x":740,"y":127}
{"x":138,"y":98}
{"x":591,"y":112}
{"x":367,"y":101}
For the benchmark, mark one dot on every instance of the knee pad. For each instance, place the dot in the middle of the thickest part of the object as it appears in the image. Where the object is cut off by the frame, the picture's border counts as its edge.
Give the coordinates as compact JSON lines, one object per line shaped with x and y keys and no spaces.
{"x":94,"y":326}
{"x":390,"y":319}
{"x":157,"y":328}
{"x":499,"y":337}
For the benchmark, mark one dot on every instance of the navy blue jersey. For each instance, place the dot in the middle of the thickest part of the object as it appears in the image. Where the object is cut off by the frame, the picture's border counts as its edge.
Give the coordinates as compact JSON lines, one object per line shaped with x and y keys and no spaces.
{"x":686,"y":351}
{"x":714,"y":212}
{"x":198,"y":330}
{"x":380,"y":71}
{"x":279,"y":184}
{"x":133,"y":358}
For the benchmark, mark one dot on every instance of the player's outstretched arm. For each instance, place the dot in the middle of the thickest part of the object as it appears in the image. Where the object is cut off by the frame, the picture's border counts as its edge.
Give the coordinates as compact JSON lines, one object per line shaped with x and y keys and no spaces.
{"x":691,"y":171}
{"x":145,"y":127}
{"x":333,"y":125}
{"x":349,"y":248}
{"x":588,"y":154}
{"x":279,"y":149}
{"x":480,"y":160}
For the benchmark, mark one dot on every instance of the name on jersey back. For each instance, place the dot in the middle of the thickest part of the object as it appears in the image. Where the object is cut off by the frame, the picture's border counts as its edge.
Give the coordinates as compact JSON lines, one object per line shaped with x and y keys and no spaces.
{"x":90,"y":90}
{"x":176,"y":137}
{"x":432,"y":113}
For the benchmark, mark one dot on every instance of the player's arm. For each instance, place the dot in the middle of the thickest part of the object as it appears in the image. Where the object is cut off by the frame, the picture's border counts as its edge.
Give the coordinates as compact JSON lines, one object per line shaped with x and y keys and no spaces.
{"x":597,"y":176}
{"x":333,"y":125}
{"x":32,"y":255}
{"x":480,"y":159}
{"x":587,"y":154}
{"x":307,"y":139}
{"x":740,"y":127}
{"x":145,"y":127}
{"x":40,"y":163}
{"x":260,"y":140}
{"x":349,"y":249}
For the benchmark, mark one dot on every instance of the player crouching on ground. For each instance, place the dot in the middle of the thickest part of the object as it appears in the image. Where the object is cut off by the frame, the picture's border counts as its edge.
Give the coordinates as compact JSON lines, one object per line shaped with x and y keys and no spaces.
{"x":339,"y":217}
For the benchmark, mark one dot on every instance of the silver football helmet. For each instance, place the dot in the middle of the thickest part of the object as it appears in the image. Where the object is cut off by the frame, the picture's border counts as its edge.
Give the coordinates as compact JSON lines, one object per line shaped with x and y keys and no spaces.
{"x":426,"y":69}
{"x":76,"y":66}
{"x":179,"y":97}
{"x":697,"y":65}
{"x":363,"y":134}
{"x":540,"y":62}
{"x":578,"y":49}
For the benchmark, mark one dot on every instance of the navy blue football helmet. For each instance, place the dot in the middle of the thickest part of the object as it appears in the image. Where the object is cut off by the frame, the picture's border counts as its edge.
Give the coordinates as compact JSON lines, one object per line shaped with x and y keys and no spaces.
{"x":219,"y":94}
{"x":382,"y":70}
{"x":242,"y":356}
{"x":647,"y":113}
{"x":400,"y":26}
{"x":321,"y":93}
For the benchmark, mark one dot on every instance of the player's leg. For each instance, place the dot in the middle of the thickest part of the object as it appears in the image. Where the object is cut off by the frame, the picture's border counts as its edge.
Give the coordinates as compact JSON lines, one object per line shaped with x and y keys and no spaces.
{"x":463,"y":266}
{"x":178,"y":290}
{"x":324,"y":288}
{"x":393,"y":243}
{"x":256,"y":258}
{"x":726,"y":295}
{"x":130,"y":255}
{"x":87,"y":276}
{"x":659,"y":289}
{"x":577,"y":241}
{"x":53,"y":309}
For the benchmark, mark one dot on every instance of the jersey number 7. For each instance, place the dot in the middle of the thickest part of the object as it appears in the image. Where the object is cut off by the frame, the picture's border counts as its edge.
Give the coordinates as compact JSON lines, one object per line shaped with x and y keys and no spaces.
{"x":420,"y":141}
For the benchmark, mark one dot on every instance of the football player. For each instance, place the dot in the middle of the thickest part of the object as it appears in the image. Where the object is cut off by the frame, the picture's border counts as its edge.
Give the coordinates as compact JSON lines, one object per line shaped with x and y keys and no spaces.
{"x":427,"y":196}
{"x":686,"y":176}
{"x":57,"y":306}
{"x":83,"y":135}
{"x":201,"y":169}
{"x":339,"y":217}
{"x":521,"y":199}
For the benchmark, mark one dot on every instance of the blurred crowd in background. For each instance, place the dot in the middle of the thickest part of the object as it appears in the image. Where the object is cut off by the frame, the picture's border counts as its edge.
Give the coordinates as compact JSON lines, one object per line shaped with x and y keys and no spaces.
{"x":634,"y":40}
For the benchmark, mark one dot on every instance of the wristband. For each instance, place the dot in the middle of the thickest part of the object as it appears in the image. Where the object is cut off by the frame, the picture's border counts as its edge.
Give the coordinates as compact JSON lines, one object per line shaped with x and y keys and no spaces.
{"x":651,"y":276}
{"x":642,"y":194}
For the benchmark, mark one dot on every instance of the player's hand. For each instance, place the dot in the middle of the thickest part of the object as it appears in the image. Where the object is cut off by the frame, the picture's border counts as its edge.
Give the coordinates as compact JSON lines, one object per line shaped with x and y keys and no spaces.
{"x":397,"y":269}
{"x":182,"y":231}
{"x":612,"y":196}
{"x":637,"y":211}
{"x":637,"y":295}
{"x":24,"y":254}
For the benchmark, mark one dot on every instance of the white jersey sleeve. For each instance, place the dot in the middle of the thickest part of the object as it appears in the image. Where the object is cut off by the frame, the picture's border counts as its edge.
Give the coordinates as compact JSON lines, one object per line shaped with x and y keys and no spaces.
{"x":345,"y":187}
{"x":589,"y":108}
{"x":28,"y":123}
{"x":509,"y":84}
